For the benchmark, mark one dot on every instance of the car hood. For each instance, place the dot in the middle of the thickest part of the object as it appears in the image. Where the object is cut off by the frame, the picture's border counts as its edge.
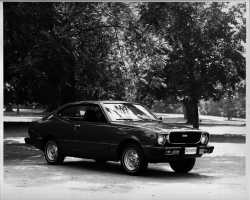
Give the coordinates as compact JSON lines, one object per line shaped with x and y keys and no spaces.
{"x":157,"y":126}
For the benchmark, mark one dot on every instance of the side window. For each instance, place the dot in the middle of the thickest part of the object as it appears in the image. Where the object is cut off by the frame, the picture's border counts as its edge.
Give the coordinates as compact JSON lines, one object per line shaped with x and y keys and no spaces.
{"x":94,"y":114}
{"x":73,"y":112}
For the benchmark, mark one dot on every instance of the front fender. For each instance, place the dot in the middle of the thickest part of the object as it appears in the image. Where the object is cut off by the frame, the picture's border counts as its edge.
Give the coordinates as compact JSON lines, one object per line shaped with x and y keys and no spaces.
{"x":143,"y":137}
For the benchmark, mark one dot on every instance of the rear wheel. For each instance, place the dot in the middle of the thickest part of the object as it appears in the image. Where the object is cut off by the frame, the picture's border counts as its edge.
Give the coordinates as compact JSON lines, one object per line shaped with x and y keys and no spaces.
{"x":133,"y":160}
{"x":182,"y":165}
{"x":52,"y":153}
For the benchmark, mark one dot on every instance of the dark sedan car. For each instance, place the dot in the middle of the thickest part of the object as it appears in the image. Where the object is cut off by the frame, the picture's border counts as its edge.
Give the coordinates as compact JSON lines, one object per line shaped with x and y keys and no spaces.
{"x":116,"y":131}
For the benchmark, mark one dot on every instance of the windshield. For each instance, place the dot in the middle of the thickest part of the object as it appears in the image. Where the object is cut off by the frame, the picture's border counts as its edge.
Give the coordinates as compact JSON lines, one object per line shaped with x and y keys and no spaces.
{"x":127,"y":112}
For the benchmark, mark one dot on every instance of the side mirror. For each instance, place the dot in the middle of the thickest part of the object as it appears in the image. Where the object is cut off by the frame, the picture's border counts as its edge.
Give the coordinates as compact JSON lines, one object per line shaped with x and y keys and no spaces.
{"x":160,"y":118}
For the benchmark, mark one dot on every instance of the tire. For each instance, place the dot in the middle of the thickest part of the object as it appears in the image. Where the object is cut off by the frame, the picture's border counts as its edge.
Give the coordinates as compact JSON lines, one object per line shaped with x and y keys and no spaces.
{"x":182,"y":165}
{"x":52,"y":153}
{"x":133,"y":160}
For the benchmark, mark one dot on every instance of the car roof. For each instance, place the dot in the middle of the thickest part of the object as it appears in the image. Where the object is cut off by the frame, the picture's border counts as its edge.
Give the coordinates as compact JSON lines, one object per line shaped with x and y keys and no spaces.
{"x":99,"y":102}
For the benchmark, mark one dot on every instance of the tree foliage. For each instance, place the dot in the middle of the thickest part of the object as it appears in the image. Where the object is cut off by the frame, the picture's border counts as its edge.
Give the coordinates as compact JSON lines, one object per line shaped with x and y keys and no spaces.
{"x":202,"y":52}
{"x":22,"y":27}
{"x":59,"y":52}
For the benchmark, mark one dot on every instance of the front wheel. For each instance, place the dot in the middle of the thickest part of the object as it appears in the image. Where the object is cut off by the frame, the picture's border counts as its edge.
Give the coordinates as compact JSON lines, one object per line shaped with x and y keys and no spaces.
{"x":182,"y":165}
{"x":133,"y":160}
{"x":52,"y":153}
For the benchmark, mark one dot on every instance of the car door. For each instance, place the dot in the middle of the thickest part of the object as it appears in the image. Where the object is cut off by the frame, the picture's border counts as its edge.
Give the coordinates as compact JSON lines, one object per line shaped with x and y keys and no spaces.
{"x":65,"y":124}
{"x":95,"y":134}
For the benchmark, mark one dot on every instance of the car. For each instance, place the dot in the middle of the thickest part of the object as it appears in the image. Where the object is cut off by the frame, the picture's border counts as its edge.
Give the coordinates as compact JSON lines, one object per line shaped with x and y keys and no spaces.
{"x":117,"y":131}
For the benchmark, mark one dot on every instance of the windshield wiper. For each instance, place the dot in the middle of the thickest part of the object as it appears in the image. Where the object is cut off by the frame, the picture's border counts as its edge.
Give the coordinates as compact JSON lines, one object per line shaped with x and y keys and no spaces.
{"x":147,"y":119}
{"x":127,"y":119}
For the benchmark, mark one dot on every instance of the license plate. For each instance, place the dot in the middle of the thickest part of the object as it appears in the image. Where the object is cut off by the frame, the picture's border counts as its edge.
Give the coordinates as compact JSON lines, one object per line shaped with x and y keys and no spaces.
{"x":190,"y":150}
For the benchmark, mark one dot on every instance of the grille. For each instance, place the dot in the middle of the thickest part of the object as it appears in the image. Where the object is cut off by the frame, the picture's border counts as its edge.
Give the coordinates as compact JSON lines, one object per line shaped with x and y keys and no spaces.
{"x":184,"y":137}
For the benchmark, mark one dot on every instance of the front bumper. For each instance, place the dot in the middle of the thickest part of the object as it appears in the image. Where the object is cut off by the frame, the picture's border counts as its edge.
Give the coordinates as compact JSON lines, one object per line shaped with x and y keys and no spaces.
{"x":165,"y":154}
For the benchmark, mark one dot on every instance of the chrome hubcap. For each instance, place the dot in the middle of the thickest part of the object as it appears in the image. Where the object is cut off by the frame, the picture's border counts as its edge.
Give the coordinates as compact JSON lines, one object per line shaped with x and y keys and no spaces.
{"x":52,"y":151}
{"x":131,"y":160}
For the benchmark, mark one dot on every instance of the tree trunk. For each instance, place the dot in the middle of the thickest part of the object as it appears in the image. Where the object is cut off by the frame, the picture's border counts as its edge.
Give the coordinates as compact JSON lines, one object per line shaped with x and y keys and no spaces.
{"x":184,"y":111}
{"x":18,"y":109}
{"x":191,"y":113}
{"x":196,"y":114}
{"x":229,"y":106}
{"x":188,"y":111}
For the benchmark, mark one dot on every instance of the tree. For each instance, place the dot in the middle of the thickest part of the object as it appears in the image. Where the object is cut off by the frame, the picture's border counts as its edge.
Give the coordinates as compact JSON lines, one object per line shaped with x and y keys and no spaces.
{"x":61,"y":52}
{"x":23,"y":24}
{"x":203,"y":55}
{"x":75,"y":56}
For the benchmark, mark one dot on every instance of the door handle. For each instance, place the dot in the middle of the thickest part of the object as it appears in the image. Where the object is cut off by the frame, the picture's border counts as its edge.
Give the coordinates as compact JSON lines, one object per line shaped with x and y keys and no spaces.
{"x":76,"y":126}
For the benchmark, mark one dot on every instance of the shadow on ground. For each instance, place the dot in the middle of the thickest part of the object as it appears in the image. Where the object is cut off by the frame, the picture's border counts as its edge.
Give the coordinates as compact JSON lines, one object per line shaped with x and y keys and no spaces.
{"x":115,"y":168}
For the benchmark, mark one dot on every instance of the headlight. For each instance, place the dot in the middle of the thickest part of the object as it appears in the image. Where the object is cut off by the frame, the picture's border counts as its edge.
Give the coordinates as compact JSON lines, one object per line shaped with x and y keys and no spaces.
{"x":161,"y":140}
{"x":204,"y":138}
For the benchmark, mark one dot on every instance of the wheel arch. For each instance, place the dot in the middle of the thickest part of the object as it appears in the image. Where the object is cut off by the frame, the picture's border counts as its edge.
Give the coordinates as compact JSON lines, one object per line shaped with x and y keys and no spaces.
{"x":126,"y":142}
{"x":46,"y":139}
